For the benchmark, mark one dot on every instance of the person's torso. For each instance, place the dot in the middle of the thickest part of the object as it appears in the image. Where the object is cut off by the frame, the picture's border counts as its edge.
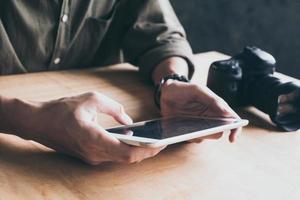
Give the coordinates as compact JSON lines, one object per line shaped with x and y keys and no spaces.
{"x":54,"y":34}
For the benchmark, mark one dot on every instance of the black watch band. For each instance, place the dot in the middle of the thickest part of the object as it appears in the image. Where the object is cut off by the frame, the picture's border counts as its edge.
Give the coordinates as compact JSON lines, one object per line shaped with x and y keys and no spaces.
{"x":157,"y":92}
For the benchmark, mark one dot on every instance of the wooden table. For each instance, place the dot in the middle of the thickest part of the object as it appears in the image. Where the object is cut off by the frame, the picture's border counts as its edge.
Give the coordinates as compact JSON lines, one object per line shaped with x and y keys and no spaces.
{"x":263,"y":164}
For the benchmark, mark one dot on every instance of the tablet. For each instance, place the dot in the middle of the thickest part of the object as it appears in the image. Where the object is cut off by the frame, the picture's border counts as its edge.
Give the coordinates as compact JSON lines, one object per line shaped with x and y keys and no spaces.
{"x":170,"y":130}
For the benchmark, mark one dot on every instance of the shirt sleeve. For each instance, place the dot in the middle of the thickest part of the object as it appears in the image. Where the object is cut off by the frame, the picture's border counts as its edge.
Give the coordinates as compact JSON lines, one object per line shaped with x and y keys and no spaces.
{"x":154,"y":35}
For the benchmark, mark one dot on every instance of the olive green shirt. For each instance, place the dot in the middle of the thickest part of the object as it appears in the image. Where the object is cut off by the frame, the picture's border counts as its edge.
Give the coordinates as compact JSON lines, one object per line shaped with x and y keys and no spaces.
{"x":41,"y":35}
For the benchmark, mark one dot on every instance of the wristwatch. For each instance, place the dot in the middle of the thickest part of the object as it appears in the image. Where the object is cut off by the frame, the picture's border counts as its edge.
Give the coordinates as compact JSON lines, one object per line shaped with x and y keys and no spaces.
{"x":157,"y":92}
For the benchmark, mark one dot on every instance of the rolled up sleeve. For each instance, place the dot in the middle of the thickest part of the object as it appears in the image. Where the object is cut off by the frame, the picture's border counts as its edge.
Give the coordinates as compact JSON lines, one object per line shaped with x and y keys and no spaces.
{"x":154,"y":35}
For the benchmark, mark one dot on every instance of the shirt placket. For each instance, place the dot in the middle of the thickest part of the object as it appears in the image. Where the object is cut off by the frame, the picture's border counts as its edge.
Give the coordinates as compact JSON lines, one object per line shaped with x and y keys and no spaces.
{"x":62,"y":37}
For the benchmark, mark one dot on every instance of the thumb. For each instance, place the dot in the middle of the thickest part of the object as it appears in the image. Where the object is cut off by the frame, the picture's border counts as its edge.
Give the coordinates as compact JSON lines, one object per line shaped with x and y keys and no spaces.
{"x":114,"y":109}
{"x":122,"y":118}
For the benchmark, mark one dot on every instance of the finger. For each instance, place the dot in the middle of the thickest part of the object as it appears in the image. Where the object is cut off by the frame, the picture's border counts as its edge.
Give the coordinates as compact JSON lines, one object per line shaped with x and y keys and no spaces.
{"x":113,"y":108}
{"x":120,"y":152}
{"x":137,"y":154}
{"x":292,"y":96}
{"x":105,"y":147}
{"x":286,"y":109}
{"x":220,"y":106}
{"x":214,"y":136}
{"x":227,"y":110}
{"x":209,"y":137}
{"x":234,"y":133}
{"x":128,"y":132}
{"x":231,"y":119}
{"x":197,"y":140}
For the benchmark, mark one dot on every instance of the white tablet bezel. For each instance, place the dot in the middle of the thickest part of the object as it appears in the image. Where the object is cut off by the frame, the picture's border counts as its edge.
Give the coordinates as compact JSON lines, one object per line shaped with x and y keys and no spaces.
{"x":153,"y":143}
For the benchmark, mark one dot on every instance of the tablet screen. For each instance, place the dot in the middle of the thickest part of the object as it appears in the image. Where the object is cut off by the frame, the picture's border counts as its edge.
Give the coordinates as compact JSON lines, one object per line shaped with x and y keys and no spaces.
{"x":168,"y":127}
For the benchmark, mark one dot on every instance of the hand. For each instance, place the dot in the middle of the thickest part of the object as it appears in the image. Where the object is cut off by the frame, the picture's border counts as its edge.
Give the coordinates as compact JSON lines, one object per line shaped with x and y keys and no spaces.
{"x":69,"y":125}
{"x":179,"y":98}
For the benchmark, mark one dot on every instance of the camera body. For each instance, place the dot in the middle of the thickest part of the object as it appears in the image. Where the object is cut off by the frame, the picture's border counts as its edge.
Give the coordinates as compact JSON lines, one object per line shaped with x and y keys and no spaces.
{"x":247,"y":79}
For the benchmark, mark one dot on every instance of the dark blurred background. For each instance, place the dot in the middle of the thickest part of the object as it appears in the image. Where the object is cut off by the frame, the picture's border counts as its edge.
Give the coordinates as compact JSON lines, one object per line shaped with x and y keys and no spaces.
{"x":229,"y":25}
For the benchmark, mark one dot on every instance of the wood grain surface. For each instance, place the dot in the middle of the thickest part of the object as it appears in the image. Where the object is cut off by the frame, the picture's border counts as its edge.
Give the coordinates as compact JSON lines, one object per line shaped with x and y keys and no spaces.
{"x":263,"y":164}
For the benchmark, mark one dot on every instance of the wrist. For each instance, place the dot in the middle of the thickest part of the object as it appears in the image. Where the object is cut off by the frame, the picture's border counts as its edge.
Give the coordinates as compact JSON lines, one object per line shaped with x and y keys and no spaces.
{"x":172,"y":65}
{"x":165,"y":81}
{"x":15,"y":115}
{"x":5,"y":126}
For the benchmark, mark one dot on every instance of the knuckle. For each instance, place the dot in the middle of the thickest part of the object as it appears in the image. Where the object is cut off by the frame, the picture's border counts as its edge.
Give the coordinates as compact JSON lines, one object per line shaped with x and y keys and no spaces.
{"x":217,"y":101}
{"x":119,"y":109}
{"x":213,"y":102}
{"x":87,"y":153}
{"x":154,"y":153}
{"x":224,"y":103}
{"x":94,"y":95}
{"x":77,"y":113}
{"x":92,"y":160}
{"x":128,"y":158}
{"x":194,"y":87}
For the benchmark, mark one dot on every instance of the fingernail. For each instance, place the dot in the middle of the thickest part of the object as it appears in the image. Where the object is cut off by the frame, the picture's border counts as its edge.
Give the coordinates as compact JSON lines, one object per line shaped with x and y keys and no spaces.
{"x":127,"y":119}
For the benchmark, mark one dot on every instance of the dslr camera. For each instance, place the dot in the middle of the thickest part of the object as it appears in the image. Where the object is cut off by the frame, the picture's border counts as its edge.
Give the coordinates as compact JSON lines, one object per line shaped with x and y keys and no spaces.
{"x":247,"y":79}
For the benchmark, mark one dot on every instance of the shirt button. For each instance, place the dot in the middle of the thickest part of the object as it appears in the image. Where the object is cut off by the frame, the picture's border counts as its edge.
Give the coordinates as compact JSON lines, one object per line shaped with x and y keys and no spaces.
{"x":64,"y":18}
{"x":56,"y":61}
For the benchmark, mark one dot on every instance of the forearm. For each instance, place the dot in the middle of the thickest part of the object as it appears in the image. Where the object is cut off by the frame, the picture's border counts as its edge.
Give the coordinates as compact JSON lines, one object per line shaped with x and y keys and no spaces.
{"x":5,"y":127}
{"x":169,"y":66}
{"x":13,"y":116}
